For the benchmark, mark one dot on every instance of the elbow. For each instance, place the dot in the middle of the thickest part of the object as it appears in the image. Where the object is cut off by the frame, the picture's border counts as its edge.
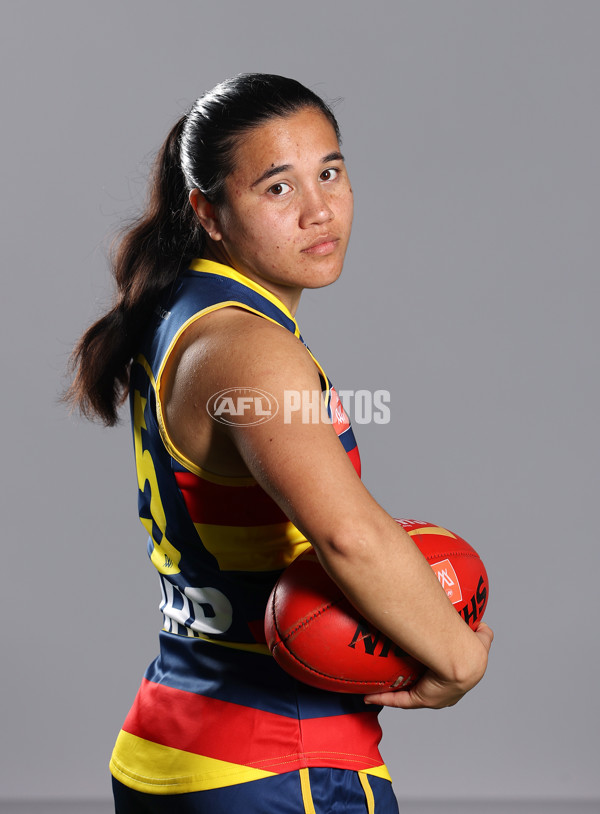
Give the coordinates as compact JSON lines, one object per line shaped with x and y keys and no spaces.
{"x":347,"y":543}
{"x":470,"y":669}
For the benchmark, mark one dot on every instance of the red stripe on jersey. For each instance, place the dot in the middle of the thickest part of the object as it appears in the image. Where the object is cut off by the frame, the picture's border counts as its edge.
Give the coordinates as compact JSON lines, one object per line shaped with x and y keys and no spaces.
{"x":221,"y":505}
{"x":251,"y":737}
{"x":354,"y":456}
{"x":345,"y":733}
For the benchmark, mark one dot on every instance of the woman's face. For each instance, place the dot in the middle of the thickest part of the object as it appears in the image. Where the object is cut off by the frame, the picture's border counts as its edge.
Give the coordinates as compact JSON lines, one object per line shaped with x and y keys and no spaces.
{"x":287,"y":215}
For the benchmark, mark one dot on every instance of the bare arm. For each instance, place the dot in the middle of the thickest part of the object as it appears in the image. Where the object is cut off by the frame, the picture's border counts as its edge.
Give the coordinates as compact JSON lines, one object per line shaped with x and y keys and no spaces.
{"x":304,"y":467}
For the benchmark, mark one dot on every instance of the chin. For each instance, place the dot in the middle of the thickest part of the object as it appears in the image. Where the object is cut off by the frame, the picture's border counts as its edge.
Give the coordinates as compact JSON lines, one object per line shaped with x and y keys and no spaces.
{"x":320,"y":278}
{"x":323,"y":282}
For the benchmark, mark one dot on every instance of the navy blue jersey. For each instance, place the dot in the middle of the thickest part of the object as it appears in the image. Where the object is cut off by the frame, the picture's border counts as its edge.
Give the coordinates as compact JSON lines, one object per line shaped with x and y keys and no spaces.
{"x":214,"y":708}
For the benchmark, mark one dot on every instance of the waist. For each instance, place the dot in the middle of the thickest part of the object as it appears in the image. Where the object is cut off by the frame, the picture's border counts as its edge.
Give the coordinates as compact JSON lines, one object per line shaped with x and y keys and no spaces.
{"x":243,"y":674}
{"x":232,"y":715}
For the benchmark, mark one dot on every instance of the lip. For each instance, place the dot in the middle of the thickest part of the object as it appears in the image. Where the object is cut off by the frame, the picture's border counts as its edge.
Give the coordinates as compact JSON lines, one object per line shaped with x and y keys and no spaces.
{"x":322,"y":245}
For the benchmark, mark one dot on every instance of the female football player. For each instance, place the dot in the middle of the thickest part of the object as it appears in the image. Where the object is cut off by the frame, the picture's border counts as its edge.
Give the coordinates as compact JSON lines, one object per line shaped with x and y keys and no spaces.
{"x":250,"y":203}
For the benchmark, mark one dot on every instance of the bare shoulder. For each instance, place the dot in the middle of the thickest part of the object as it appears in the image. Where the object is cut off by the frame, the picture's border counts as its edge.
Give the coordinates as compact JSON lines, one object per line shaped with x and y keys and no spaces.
{"x":230,"y":348}
{"x":234,"y":347}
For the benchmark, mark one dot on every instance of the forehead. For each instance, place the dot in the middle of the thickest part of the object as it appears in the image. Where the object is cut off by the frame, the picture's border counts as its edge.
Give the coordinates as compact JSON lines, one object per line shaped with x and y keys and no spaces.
{"x":301,"y":138}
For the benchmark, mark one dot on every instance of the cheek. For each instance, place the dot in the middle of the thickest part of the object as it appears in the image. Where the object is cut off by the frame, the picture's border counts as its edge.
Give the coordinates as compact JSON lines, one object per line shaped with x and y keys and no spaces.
{"x":258,"y":232}
{"x":347,"y":210}
{"x":259,"y":238}
{"x":274,"y":232}
{"x":239,"y":227}
{"x":343,"y":202}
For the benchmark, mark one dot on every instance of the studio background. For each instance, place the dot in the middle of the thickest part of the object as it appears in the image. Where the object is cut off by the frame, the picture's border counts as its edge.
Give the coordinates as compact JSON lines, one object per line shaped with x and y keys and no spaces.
{"x":470,"y":292}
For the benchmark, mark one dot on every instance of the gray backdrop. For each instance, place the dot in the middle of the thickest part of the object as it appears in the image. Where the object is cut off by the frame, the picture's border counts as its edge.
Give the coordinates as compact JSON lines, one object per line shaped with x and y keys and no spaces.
{"x":471,"y":130}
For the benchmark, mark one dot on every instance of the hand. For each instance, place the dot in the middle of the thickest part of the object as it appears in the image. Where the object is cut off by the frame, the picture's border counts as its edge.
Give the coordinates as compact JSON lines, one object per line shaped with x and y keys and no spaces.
{"x":432,"y":691}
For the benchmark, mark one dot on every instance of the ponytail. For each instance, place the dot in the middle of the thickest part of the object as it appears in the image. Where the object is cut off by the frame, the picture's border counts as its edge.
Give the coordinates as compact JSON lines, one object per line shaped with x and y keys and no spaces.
{"x":147,"y":260}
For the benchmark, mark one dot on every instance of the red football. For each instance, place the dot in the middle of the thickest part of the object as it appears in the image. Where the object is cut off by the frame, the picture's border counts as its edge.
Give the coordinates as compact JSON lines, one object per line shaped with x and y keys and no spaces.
{"x":318,"y":637}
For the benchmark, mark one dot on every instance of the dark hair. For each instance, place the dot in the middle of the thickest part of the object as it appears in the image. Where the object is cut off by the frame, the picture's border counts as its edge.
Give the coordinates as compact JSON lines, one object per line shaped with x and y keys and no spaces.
{"x":217,"y":120}
{"x":199,"y":152}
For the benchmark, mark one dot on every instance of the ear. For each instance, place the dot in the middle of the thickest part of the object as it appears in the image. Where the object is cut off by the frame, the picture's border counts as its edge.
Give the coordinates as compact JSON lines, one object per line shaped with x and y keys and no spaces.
{"x":206,"y":214}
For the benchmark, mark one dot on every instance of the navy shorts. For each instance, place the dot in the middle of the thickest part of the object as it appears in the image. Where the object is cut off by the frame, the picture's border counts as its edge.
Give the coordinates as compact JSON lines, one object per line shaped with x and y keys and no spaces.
{"x":308,"y":791}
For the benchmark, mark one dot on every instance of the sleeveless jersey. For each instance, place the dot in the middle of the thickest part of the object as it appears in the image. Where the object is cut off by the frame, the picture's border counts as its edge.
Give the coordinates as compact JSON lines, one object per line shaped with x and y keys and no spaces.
{"x":214,"y":709}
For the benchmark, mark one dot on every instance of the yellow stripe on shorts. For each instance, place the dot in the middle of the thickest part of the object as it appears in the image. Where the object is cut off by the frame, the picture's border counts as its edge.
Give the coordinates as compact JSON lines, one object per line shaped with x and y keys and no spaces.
{"x":309,"y":806}
{"x":364,"y":782}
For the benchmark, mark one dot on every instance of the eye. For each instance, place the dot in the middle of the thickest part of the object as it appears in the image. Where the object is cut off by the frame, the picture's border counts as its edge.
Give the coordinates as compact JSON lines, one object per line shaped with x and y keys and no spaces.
{"x":329,"y":174}
{"x":279,"y":189}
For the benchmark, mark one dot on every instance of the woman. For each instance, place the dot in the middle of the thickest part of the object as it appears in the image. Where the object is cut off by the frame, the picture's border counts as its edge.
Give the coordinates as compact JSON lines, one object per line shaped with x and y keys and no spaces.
{"x":250,"y":204}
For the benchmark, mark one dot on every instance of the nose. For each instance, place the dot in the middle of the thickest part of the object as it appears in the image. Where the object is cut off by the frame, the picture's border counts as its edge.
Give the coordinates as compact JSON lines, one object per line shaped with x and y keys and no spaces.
{"x":315,"y":208}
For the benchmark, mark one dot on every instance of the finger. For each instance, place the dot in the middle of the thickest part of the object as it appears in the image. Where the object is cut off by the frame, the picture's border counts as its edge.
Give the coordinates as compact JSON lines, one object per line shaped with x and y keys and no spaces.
{"x":410,"y":700}
{"x":402,"y":699}
{"x":420,"y":696}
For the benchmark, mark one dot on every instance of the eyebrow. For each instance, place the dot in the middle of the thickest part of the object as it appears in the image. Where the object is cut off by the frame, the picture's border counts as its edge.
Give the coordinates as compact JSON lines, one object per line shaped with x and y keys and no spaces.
{"x":335,"y":156}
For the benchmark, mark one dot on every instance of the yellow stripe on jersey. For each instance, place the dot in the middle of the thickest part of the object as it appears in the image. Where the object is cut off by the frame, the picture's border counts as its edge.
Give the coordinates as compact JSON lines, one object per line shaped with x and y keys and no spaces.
{"x":180,"y":771}
{"x":378,"y":771}
{"x":261,"y":649}
{"x":211,"y":267}
{"x":165,"y":556}
{"x":253,"y":548}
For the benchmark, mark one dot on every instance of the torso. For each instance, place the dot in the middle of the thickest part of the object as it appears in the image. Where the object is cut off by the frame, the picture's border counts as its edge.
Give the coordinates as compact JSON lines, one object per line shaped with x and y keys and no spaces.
{"x":219,"y":542}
